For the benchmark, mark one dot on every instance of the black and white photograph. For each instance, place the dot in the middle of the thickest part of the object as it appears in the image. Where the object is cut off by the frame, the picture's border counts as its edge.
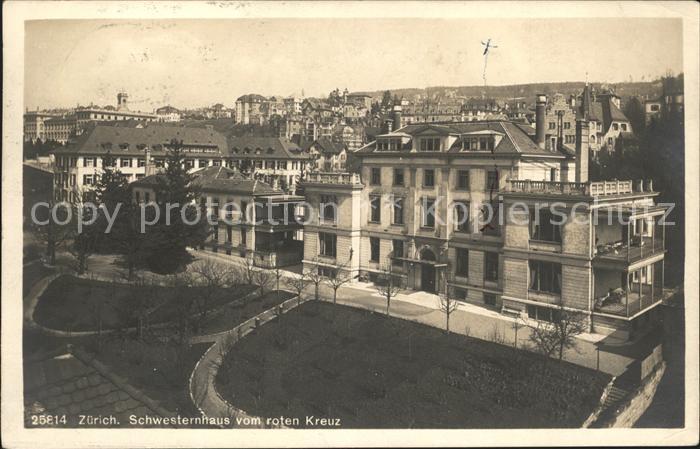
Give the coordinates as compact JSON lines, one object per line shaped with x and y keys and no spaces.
{"x":316,"y":224}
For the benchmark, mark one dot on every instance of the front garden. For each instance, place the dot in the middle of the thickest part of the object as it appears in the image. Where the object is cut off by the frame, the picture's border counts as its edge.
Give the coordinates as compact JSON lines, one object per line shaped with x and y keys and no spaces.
{"x":376,"y":372}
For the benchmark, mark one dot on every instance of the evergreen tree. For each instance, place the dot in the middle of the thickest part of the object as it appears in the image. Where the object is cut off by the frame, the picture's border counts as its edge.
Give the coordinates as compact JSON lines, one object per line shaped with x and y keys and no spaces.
{"x":175,"y":196}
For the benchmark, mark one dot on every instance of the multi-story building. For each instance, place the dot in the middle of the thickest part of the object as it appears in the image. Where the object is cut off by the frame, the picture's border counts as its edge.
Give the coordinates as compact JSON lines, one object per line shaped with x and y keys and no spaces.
{"x":670,"y":102}
{"x":249,"y":217}
{"x":606,"y":122}
{"x":34,"y":125}
{"x":292,"y":105}
{"x":430,"y":207}
{"x":275,"y":160}
{"x":168,"y":114}
{"x":79,"y":164}
{"x":329,"y":156}
{"x":560,"y":120}
{"x":249,"y":109}
{"x":87,"y":115}
{"x":60,"y":129}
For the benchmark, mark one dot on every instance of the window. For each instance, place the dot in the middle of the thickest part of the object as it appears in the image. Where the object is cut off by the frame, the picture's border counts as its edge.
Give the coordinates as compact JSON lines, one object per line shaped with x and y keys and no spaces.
{"x":655,"y":108}
{"x":491,"y":266}
{"x":461,"y":216}
{"x":72,"y":180}
{"x":567,"y":125}
{"x":545,"y":226}
{"x":398,"y":210}
{"x":89,"y":162}
{"x":552,"y":125}
{"x":492,"y":180}
{"x":375,"y":176}
{"x":552,"y":174}
{"x":189,"y":164}
{"x":462,"y":265}
{"x":216,"y":163}
{"x":328,"y":205}
{"x":570,"y":138}
{"x":397,"y":249}
{"x":375,"y":209}
{"x":147,"y":197}
{"x":624,"y":126}
{"x":428,"y":177}
{"x":398,"y":176}
{"x":88,"y":180}
{"x":543,"y":313}
{"x":428,"y":215}
{"x":327,"y":244}
{"x":430,"y":144}
{"x":463,"y":180}
{"x":141,"y":162}
{"x":545,"y":276}
{"x":489,"y":299}
{"x":616,"y":126}
{"x":244,"y":211}
{"x":460,"y":294}
{"x":610,"y":140}
{"x":374,"y":249}
{"x":203,"y":163}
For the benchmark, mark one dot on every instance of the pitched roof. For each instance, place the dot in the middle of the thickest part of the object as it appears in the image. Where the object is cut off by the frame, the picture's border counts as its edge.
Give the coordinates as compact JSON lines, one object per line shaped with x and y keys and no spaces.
{"x":71,"y":383}
{"x":264,"y":148}
{"x":132,"y":140}
{"x":251,"y":98}
{"x":327,"y":146}
{"x":515,"y":139}
{"x":226,"y":180}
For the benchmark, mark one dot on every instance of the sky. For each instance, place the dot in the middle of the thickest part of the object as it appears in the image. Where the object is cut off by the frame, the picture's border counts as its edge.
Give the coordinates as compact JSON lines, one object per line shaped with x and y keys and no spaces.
{"x":192,"y":63}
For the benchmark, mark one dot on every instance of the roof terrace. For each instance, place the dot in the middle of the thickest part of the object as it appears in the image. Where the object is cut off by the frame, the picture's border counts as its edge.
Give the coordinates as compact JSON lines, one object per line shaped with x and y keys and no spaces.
{"x":591,"y":188}
{"x":333,"y":178}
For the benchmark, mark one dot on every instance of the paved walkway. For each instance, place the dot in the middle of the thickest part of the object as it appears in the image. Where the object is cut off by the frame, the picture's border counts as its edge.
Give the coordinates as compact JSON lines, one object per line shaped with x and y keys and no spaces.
{"x":467,"y":319}
{"x":422,"y":307}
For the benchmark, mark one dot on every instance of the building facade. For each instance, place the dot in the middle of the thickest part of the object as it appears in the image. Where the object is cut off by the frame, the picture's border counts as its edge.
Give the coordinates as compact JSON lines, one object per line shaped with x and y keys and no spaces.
{"x":427,"y":209}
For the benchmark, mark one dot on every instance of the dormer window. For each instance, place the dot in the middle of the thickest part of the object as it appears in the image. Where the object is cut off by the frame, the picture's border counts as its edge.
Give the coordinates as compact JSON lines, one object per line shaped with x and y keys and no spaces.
{"x":429,"y":144}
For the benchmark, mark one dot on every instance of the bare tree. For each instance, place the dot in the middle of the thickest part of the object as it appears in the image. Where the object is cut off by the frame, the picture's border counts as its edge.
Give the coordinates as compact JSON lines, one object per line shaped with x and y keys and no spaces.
{"x":448,"y":303}
{"x":53,"y":233}
{"x":315,"y":278}
{"x":249,"y":270}
{"x":277,"y":273}
{"x":182,"y":305}
{"x":387,"y":286}
{"x":554,"y":337}
{"x":298,"y":284}
{"x":210,"y":278}
{"x":339,"y":276}
{"x":262,"y":279}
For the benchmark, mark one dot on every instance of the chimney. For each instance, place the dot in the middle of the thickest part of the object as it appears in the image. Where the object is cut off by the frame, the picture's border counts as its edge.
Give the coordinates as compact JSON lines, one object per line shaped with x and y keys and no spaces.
{"x":539,"y":120}
{"x":388,"y":126}
{"x":396,"y":116}
{"x":150,"y":168}
{"x":581,"y":150}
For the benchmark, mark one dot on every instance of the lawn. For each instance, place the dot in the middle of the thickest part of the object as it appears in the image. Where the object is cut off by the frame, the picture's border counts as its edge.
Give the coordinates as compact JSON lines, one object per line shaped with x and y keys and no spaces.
{"x":235,"y":313}
{"x":71,"y":303}
{"x":376,"y":372}
{"x":32,"y":273}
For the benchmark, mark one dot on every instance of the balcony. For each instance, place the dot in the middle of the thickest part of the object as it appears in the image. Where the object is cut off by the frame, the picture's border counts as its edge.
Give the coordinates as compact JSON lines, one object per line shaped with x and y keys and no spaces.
{"x":626,"y":294}
{"x":629,"y":241}
{"x":590,"y":189}
{"x":332,"y":178}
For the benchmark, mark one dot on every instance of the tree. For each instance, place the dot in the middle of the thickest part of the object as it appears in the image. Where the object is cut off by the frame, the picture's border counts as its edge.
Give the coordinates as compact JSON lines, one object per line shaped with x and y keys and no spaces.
{"x":386,"y":100}
{"x":386,"y":285}
{"x":634,"y":111}
{"x":339,"y":276}
{"x":298,"y":284}
{"x":187,"y":226}
{"x":314,"y":277}
{"x":262,"y":278}
{"x":53,"y":229}
{"x":448,"y":303}
{"x":85,"y":232}
{"x":210,"y":278}
{"x":555,"y":336}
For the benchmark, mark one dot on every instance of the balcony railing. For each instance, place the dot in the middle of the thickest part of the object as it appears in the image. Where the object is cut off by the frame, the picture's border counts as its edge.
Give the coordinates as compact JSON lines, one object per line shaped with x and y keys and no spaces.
{"x":638,"y":248}
{"x":600,"y":188}
{"x":333,"y":178}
